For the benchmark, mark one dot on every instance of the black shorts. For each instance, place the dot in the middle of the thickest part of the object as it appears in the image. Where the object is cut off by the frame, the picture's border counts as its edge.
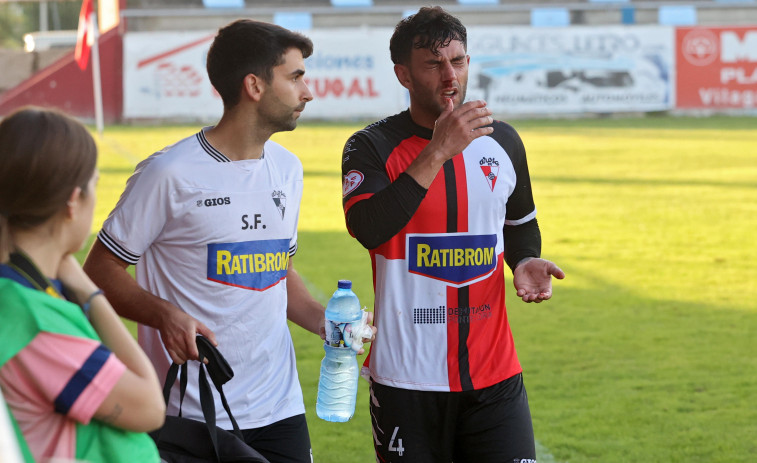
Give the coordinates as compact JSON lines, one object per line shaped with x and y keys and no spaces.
{"x":491,"y":425}
{"x":285,"y":441}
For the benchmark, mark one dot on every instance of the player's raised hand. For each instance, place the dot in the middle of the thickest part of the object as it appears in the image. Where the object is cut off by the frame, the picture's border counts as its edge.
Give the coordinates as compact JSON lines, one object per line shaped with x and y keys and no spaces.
{"x":532,"y":279}
{"x":455,"y":128}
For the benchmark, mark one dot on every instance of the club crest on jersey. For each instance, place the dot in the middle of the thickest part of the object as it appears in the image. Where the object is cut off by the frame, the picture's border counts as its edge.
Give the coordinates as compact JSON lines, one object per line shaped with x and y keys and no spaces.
{"x":255,"y":265}
{"x":490,"y":168}
{"x":456,"y":258}
{"x":351,"y":181}
{"x":280,"y":200}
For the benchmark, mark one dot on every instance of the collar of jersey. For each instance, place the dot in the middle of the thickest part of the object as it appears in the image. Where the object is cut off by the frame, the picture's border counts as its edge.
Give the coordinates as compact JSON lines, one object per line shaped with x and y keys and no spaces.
{"x":416,"y":129}
{"x":212,"y":152}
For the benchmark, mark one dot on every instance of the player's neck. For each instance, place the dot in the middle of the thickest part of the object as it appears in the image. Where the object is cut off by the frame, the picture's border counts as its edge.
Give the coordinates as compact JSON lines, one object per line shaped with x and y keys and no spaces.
{"x":236,"y":141}
{"x":422,"y":117}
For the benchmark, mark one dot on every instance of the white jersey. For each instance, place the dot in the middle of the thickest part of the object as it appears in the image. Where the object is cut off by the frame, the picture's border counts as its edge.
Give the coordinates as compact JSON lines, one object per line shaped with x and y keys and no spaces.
{"x":214,"y":237}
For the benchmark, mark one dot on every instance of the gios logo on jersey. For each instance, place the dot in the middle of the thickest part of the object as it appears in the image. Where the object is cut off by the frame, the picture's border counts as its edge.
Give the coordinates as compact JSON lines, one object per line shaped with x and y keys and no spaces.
{"x":456,"y":258}
{"x":255,"y":265}
{"x":210,"y":202}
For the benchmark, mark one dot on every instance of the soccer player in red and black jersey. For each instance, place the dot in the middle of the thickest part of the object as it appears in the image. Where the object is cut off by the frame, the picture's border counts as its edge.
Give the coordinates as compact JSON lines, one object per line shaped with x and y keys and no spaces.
{"x":441,"y":197}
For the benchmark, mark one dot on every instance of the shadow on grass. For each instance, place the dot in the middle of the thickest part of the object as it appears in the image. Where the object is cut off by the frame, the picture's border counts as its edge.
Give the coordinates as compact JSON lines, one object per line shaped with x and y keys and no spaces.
{"x":613,"y":374}
{"x":663,"y":182}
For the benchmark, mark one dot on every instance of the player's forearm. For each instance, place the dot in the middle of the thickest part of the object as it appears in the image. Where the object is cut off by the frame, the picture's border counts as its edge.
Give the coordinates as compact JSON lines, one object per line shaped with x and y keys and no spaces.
{"x":425,"y":167}
{"x":377,"y":219}
{"x":128,"y":299}
{"x":521,"y":241}
{"x":302,"y":308}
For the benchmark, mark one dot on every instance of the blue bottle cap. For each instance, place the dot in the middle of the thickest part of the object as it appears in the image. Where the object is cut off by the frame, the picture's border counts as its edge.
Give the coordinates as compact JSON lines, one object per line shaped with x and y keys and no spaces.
{"x":344,"y":284}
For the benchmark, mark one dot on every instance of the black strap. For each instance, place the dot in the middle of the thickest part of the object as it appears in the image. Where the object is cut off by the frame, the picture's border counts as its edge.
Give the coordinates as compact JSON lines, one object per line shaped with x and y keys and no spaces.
{"x":21,"y":264}
{"x":182,"y":384}
{"x":170,"y":379}
{"x":208,"y":408}
{"x":206,"y":396}
{"x":28,"y":270}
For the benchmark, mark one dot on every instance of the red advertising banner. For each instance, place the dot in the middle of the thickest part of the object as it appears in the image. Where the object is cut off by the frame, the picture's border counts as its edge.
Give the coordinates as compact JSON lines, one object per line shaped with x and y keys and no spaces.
{"x":716,"y":67}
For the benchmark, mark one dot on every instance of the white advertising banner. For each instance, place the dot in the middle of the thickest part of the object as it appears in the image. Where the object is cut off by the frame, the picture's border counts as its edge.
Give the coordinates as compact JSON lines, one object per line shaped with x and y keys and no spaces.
{"x":350,"y":75}
{"x":165,"y":77}
{"x":515,"y":69}
{"x":572,"y":69}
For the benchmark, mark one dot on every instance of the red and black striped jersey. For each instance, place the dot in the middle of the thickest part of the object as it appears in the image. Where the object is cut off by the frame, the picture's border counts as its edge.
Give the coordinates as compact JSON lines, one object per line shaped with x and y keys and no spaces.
{"x":439,"y":280}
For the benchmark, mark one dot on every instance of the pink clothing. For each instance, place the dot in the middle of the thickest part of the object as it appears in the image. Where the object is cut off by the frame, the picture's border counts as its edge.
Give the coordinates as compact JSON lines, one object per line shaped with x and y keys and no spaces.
{"x":55,"y":371}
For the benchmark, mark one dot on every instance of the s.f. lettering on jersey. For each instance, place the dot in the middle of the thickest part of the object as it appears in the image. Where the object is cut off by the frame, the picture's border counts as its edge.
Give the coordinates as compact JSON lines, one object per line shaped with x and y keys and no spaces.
{"x":255,"y":265}
{"x":456,"y":258}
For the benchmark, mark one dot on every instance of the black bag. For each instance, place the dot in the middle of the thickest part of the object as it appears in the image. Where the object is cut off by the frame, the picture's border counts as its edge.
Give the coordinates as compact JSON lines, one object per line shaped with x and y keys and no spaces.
{"x":183,"y":440}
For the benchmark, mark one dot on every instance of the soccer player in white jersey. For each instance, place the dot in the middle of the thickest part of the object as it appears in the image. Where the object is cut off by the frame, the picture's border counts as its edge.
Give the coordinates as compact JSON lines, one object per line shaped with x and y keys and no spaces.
{"x":441,"y":197}
{"x":211,"y":224}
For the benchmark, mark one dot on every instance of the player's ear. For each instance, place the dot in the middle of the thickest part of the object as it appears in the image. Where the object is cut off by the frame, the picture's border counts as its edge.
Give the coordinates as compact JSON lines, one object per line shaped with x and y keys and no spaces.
{"x":252,"y":86}
{"x":403,"y":75}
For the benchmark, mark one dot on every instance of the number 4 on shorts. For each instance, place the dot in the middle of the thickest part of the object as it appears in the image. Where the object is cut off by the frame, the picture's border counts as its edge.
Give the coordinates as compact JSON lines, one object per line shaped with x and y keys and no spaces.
{"x":399,"y":449}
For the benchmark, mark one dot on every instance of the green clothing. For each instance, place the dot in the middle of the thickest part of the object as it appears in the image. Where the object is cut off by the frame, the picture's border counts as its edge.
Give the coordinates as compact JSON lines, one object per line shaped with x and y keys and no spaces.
{"x":26,"y":312}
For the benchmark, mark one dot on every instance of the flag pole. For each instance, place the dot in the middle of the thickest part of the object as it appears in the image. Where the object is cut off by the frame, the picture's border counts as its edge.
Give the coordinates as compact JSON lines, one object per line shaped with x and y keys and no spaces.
{"x":96,"y":82}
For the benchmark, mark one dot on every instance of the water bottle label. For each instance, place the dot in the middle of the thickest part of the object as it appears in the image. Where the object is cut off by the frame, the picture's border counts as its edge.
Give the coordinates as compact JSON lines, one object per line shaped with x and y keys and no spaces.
{"x":347,"y":334}
{"x":334,"y":333}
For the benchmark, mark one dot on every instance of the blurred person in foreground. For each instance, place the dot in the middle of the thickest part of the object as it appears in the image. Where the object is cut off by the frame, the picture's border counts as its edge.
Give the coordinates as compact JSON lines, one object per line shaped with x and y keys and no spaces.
{"x":211,"y":224}
{"x":77,"y":384}
{"x":441,"y":197}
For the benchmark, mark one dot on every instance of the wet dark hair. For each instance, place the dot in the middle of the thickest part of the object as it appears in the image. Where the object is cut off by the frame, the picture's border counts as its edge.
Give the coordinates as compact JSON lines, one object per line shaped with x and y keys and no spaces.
{"x":44,"y":155}
{"x":249,"y":47}
{"x":431,"y":28}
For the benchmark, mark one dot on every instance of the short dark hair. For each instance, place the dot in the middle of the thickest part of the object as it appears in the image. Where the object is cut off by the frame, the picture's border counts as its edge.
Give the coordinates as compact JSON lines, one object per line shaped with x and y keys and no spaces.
{"x":431,"y":28}
{"x":249,"y":47}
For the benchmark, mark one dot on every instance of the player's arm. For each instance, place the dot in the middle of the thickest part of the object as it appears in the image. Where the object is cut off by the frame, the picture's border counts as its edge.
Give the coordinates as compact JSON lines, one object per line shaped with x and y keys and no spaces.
{"x":454,"y":130}
{"x":377,"y":218}
{"x":375,"y":208}
{"x":177,"y":329}
{"x":305,"y":311}
{"x":302,"y":308}
{"x":532,"y":276}
{"x":521,"y":242}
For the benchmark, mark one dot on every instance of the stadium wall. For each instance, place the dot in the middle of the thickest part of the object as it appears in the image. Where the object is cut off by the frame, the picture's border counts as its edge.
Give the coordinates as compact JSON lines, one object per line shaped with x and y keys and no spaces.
{"x":519,"y":70}
{"x":64,"y":86}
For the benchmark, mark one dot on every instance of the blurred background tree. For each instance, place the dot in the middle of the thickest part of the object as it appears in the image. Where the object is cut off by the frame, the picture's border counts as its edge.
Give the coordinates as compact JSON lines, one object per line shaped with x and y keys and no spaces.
{"x":22,"y":17}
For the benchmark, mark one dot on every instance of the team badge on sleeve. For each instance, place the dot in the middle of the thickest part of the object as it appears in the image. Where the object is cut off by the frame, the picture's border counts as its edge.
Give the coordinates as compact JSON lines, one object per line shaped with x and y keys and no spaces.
{"x":490,"y":168}
{"x":352,"y":180}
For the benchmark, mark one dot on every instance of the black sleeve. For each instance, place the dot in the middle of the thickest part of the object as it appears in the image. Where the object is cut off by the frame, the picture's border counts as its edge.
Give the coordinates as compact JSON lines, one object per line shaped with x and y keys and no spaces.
{"x":375,"y":220}
{"x":521,"y":241}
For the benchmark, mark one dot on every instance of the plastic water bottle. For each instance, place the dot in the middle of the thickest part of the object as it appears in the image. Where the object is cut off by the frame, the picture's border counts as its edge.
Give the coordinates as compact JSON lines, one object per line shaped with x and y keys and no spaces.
{"x":337,"y":385}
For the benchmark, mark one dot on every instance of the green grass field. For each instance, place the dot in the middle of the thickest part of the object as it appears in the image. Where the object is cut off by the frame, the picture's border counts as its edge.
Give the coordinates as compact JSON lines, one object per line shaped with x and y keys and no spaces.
{"x":648,"y":350}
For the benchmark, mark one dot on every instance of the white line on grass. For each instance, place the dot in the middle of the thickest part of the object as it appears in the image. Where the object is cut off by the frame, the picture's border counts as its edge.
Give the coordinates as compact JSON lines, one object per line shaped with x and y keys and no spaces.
{"x":543,"y":455}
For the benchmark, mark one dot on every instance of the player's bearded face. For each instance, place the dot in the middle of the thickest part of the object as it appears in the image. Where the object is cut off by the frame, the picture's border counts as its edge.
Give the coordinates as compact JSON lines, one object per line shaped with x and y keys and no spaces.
{"x":436,"y":78}
{"x":278,"y":114}
{"x":285,"y":96}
